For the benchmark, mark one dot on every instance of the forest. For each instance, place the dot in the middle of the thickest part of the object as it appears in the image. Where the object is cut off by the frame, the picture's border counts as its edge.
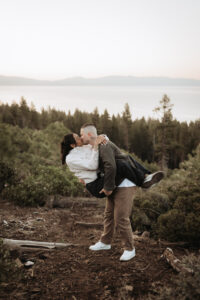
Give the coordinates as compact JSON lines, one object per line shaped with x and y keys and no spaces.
{"x":31,"y":169}
{"x":31,"y":166}
{"x":163,"y":140}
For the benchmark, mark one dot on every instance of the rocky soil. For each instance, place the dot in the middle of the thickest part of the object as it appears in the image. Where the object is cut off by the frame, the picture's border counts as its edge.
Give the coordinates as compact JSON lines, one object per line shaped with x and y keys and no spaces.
{"x":75,"y":272}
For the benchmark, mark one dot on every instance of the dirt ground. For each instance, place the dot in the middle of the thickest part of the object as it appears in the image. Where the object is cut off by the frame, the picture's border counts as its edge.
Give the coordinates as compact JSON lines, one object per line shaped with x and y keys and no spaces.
{"x":76,"y":272}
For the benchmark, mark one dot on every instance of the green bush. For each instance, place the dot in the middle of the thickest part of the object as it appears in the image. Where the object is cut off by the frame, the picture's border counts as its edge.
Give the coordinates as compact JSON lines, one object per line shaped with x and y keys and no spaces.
{"x":148,"y":206}
{"x":171,"y":210}
{"x":35,"y":155}
{"x":7,"y":175}
{"x":58,"y":180}
{"x":26,"y":193}
{"x":171,"y":225}
{"x":45,"y":180}
{"x":20,"y":147}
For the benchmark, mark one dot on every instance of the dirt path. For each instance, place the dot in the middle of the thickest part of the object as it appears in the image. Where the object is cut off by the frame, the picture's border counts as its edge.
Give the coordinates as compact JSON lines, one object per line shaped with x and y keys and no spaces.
{"x":76,"y":272}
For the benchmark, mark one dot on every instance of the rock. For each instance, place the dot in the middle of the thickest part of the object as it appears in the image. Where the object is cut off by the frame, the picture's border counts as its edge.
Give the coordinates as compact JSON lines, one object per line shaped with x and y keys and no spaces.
{"x":39,"y":219}
{"x":145,"y":234}
{"x":5,"y":223}
{"x":18,"y":263}
{"x":13,"y":221}
{"x":29,"y":263}
{"x":43,"y":255}
{"x":35,"y":290}
{"x":129,"y":288}
{"x":31,"y":272}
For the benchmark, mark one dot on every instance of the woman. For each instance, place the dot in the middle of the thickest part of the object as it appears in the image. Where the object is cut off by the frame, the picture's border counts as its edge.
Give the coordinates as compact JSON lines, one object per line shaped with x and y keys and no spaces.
{"x":83,"y":161}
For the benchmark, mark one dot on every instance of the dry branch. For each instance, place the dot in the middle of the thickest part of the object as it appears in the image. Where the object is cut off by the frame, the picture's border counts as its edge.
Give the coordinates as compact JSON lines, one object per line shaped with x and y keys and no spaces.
{"x":174,"y":261}
{"x":33,"y":245}
{"x":166,"y":243}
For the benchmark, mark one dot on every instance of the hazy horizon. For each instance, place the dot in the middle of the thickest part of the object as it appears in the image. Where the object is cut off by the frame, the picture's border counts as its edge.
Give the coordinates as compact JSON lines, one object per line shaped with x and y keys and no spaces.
{"x":58,"y":39}
{"x":142,"y":100}
{"x":97,"y":77}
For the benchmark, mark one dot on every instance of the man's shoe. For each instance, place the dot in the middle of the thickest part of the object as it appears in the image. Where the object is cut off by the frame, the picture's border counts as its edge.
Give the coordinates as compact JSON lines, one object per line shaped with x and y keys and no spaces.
{"x":127,"y":255}
{"x":151,"y":179}
{"x":100,"y":246}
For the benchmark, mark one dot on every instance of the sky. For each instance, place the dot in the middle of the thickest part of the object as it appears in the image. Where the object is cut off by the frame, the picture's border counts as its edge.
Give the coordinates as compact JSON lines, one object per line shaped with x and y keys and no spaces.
{"x":55,"y":39}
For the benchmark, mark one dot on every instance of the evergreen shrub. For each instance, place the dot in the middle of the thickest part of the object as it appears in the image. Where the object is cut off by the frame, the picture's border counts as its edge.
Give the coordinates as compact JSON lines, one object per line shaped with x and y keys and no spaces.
{"x":7,"y":175}
{"x":45,"y":180}
{"x":28,"y":192}
{"x":58,"y":180}
{"x":171,"y":210}
{"x":35,"y":155}
{"x":148,"y":206}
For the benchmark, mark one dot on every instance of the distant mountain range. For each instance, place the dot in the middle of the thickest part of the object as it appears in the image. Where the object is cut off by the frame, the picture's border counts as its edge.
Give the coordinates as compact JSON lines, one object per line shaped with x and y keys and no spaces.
{"x":102,"y":81}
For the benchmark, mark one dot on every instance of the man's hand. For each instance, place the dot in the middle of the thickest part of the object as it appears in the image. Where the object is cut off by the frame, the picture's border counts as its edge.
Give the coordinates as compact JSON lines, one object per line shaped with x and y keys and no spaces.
{"x":101,"y":139}
{"x":107,"y":193}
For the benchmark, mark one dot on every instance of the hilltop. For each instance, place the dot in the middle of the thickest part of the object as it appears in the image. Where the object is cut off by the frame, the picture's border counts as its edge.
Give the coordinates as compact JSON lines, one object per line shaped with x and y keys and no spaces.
{"x":102,"y":81}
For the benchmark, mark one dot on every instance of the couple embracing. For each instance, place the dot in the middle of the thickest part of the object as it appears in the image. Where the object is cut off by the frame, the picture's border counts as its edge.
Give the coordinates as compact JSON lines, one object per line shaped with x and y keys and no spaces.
{"x":107,"y":172}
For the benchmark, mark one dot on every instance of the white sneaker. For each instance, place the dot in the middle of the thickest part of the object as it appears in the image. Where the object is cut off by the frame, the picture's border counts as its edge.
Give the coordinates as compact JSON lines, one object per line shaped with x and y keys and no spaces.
{"x":100,"y":246}
{"x":127,"y":255}
{"x":152,"y":179}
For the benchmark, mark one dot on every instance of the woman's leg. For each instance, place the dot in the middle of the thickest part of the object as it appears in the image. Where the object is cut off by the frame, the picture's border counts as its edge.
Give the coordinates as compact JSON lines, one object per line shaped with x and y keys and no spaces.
{"x":95,"y":187}
{"x":126,"y":170}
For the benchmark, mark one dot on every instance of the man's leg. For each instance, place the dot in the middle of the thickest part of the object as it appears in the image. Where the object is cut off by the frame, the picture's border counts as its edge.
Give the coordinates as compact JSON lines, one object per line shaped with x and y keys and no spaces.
{"x":107,"y":235}
{"x":123,"y":203}
{"x":106,"y":238}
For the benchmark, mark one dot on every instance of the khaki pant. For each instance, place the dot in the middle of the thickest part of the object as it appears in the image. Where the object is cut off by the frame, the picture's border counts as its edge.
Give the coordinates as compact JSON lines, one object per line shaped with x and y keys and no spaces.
{"x":116,"y":216}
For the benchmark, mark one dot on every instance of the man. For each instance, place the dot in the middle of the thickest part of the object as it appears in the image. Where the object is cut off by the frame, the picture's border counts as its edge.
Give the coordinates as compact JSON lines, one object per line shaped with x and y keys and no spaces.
{"x":119,"y":199}
{"x":83,"y":161}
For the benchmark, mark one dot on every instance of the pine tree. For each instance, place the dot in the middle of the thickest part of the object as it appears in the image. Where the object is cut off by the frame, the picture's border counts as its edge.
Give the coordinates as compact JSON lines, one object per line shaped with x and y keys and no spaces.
{"x":164,"y":131}
{"x":95,"y":117}
{"x":24,"y":113}
{"x":126,"y":126}
{"x":105,"y":125}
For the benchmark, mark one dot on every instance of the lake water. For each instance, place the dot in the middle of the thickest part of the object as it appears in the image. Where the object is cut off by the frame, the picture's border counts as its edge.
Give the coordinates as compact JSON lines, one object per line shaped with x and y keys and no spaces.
{"x":142,"y":100}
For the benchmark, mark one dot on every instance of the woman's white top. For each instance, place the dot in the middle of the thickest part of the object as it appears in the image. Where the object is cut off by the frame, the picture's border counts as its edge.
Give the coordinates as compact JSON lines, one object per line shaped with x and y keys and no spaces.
{"x":83,"y":162}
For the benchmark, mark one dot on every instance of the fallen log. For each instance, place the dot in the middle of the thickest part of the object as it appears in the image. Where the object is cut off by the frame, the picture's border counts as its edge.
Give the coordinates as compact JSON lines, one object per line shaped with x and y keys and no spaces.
{"x":89,"y":225}
{"x":174,"y":262}
{"x":166,"y":243}
{"x":34,"y":245}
